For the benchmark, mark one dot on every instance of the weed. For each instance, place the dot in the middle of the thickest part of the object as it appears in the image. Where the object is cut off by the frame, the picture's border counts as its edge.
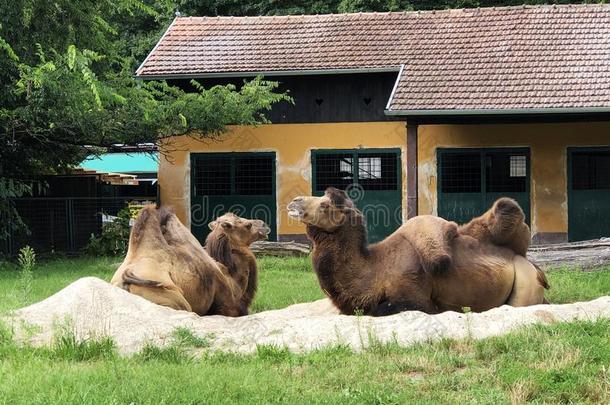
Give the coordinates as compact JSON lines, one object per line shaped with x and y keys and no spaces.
{"x":170,"y":354}
{"x":184,"y":337}
{"x":27,"y":261}
{"x":68,"y":347}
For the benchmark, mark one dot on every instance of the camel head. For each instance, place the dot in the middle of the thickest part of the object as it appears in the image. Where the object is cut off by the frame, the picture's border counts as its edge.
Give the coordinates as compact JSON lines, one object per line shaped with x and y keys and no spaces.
{"x":241,"y":231}
{"x":327,"y":212}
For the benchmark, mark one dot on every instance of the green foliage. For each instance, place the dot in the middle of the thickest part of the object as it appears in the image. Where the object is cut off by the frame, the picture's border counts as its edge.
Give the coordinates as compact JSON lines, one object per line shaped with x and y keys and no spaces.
{"x":10,"y":221}
{"x":184,"y":337}
{"x":68,"y":347}
{"x":67,"y":86}
{"x":170,"y":354}
{"x":27,"y":262}
{"x":114,"y":238}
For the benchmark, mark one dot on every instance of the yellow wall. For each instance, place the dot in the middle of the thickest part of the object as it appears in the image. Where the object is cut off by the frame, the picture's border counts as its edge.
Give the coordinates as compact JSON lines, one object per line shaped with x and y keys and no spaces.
{"x":547,"y":143}
{"x":292,"y":144}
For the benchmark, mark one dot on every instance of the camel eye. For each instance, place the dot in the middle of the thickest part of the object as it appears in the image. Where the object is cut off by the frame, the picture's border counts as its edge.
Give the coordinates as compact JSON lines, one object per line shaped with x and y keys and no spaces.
{"x":249,"y":226}
{"x":324,"y":206}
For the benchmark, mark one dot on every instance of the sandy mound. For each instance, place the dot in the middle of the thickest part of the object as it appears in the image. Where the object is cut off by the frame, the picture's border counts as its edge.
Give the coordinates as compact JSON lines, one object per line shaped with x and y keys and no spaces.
{"x":92,"y":308}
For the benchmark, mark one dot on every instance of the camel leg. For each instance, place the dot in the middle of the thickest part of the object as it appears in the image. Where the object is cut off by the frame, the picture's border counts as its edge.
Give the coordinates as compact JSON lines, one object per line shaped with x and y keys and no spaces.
{"x":155,"y":286}
{"x":227,"y":301}
{"x":527,"y":288}
{"x":162,"y":296}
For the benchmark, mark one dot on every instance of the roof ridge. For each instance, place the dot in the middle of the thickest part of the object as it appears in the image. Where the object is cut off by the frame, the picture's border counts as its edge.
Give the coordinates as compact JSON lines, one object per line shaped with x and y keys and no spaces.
{"x":436,"y":11}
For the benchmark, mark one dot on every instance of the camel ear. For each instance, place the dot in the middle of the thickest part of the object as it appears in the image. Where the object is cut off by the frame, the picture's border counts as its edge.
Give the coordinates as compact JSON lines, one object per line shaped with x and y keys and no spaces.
{"x":212,"y":225}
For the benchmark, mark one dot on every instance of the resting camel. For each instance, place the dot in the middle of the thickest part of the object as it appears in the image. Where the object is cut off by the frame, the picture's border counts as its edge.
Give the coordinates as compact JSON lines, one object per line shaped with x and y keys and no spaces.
{"x":229,"y":244}
{"x":167,"y":265}
{"x":463,"y":270}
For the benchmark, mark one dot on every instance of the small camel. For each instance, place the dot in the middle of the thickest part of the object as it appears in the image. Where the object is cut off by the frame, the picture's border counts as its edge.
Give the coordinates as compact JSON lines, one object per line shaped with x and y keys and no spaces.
{"x":167,"y":265}
{"x":445,"y":269}
{"x":229,"y":244}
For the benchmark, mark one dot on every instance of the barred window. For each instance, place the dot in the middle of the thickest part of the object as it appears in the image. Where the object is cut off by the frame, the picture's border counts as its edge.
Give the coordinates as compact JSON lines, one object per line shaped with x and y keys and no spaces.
{"x":591,"y":170}
{"x":233,"y":175}
{"x":506,"y":172}
{"x":461,"y":173}
{"x":213,"y":175}
{"x":334,"y":170}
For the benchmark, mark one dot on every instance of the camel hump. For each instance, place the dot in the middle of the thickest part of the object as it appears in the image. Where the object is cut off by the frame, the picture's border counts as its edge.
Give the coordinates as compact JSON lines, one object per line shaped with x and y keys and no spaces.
{"x":506,"y":216}
{"x":146,"y":232}
{"x":432,"y":237}
{"x":503,"y":225}
{"x":529,"y":284}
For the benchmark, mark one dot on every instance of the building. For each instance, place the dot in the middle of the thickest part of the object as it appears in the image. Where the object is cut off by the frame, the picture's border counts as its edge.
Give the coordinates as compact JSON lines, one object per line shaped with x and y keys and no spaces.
{"x":66,"y":209}
{"x":437,"y":112}
{"x":141,"y":165}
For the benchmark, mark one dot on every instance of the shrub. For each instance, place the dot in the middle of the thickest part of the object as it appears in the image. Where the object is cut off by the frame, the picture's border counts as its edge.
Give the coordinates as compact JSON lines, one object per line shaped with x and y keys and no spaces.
{"x":114,"y":238}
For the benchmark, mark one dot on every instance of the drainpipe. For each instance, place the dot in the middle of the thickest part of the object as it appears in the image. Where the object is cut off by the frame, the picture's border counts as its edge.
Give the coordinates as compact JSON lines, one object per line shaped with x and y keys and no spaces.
{"x":411,"y":169}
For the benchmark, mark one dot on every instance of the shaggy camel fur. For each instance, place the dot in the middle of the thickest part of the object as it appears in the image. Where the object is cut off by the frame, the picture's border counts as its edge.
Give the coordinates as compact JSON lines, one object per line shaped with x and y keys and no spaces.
{"x":229,"y":244}
{"x":167,"y":265}
{"x":502,"y":225}
{"x":390,"y":276}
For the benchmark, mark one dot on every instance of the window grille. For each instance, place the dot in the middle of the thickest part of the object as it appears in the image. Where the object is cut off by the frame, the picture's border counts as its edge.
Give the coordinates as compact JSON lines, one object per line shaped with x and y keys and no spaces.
{"x":461,"y":173}
{"x":213,"y":175}
{"x":518,"y":166}
{"x":505,"y":172}
{"x":378,"y":171}
{"x":253,"y":175}
{"x":334,"y":170}
{"x":230,"y":175}
{"x":591,"y":170}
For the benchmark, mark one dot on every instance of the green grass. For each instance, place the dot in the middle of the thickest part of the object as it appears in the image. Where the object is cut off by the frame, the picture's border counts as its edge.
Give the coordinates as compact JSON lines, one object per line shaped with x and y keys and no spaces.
{"x":282,"y":282}
{"x":559,"y":363}
{"x":562,"y":363}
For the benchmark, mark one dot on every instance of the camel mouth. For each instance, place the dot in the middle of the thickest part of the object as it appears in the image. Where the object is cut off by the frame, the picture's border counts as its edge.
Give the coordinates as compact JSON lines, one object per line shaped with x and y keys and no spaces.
{"x":294,"y":213}
{"x":294,"y":210}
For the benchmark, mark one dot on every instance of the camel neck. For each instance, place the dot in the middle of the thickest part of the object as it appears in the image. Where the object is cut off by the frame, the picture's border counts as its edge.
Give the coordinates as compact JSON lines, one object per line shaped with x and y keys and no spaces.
{"x":340,"y":260}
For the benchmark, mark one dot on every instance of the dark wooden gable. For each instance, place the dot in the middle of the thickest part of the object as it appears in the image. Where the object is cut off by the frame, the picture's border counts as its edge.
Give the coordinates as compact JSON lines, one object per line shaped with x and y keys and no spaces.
{"x":326,"y":98}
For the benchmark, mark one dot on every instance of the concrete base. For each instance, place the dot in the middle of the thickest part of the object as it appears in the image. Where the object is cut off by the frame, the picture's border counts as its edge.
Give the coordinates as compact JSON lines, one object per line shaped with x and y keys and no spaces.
{"x":549,"y":238}
{"x":294,"y":237}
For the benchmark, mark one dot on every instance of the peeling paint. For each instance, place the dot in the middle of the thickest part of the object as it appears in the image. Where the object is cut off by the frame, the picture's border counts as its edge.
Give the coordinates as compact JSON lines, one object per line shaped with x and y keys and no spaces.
{"x":547,"y":143}
{"x":293,"y":143}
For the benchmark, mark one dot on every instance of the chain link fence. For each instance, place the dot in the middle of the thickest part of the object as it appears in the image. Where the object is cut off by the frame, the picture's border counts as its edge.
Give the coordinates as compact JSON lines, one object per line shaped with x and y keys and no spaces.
{"x":64,"y":224}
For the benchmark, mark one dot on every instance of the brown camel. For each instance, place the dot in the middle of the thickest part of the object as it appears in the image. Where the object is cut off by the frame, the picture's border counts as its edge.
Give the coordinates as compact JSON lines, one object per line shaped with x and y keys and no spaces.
{"x":392,"y":276}
{"x":502,"y":225}
{"x":167,"y":265}
{"x":229,"y":244}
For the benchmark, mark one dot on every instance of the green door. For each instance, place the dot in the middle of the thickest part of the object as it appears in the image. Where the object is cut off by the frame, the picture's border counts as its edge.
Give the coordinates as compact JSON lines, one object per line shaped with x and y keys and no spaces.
{"x":242,"y":183}
{"x":588,"y":193}
{"x":371,"y":177}
{"x":470,"y":180}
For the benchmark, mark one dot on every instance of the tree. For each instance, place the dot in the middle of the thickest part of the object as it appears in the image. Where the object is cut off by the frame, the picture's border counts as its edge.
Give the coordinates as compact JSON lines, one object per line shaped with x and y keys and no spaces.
{"x":67,"y":90}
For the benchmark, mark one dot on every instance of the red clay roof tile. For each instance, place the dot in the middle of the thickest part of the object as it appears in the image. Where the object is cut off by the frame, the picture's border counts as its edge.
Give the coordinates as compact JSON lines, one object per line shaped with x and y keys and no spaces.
{"x":471,"y":59}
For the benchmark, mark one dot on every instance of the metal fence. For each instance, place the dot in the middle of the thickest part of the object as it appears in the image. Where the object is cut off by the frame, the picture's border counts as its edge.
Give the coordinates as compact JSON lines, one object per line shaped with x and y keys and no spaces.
{"x":64,"y":224}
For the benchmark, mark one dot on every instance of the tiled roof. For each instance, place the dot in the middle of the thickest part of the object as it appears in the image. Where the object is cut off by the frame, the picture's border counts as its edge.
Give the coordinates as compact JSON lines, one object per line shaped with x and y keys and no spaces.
{"x":526,"y":57}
